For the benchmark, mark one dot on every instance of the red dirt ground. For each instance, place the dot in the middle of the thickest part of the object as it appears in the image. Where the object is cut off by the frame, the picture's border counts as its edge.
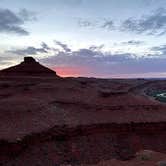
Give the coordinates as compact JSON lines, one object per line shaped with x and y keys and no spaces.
{"x":47,"y":120}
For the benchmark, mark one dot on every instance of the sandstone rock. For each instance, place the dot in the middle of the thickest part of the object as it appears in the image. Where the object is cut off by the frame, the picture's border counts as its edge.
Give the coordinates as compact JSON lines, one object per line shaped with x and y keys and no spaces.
{"x":29,"y":67}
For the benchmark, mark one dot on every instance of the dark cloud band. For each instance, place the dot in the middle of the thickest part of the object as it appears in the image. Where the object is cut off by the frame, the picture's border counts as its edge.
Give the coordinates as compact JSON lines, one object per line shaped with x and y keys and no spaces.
{"x":11,"y":22}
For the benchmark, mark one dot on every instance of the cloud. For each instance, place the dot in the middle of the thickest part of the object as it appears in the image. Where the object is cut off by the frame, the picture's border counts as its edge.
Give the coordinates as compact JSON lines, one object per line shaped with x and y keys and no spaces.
{"x":27,"y":15}
{"x":154,"y":24}
{"x":108,"y":24}
{"x":100,"y":64}
{"x":96,"y":48}
{"x":63,"y":46}
{"x":161,"y":50}
{"x":101,"y":23}
{"x":31,"y":50}
{"x":43,"y":49}
{"x":87,"y":23}
{"x":94,"y":61}
{"x":6,"y":60}
{"x":92,"y":58}
{"x":45,"y":46}
{"x":151,"y":24}
{"x":133,"y":42}
{"x":11,"y":22}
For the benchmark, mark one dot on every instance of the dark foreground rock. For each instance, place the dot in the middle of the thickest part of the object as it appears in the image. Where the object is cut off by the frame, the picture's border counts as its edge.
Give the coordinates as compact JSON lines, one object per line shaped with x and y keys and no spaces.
{"x":46,"y":120}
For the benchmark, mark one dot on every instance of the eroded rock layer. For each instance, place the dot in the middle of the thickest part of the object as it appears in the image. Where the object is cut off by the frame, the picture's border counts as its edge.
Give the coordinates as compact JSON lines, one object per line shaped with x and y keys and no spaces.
{"x":49,"y":121}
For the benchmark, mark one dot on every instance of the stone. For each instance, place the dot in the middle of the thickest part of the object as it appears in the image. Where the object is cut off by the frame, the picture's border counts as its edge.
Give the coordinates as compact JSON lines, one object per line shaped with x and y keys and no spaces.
{"x":29,"y":60}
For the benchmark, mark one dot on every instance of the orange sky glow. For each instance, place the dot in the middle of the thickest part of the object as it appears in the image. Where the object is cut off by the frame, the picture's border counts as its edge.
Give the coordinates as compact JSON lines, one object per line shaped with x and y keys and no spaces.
{"x":70,"y":71}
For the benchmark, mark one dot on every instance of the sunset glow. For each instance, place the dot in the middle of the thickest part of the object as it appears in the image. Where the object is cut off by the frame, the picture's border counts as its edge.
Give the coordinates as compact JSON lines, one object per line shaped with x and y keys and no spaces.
{"x":70,"y":71}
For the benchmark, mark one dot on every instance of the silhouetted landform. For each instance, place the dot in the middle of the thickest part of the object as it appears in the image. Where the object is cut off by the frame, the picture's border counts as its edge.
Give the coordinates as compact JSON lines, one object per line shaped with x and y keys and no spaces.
{"x":28,"y":67}
{"x":71,"y":121}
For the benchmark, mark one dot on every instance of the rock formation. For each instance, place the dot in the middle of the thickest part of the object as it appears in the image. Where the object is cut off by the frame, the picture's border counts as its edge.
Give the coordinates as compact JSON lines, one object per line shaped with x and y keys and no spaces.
{"x":29,"y":67}
{"x":49,"y":122}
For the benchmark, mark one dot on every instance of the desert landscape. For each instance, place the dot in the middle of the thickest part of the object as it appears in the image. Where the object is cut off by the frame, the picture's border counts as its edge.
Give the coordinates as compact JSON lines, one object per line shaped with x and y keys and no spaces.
{"x":47,"y":120}
{"x":83,"y":83}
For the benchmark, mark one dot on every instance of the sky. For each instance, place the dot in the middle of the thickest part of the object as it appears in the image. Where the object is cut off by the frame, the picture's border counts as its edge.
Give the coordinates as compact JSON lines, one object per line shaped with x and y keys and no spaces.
{"x":87,"y":38}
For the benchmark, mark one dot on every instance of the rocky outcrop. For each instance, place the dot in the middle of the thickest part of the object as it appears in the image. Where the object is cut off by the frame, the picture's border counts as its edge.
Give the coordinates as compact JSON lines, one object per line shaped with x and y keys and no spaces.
{"x":29,"y":67}
{"x":87,"y":144}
